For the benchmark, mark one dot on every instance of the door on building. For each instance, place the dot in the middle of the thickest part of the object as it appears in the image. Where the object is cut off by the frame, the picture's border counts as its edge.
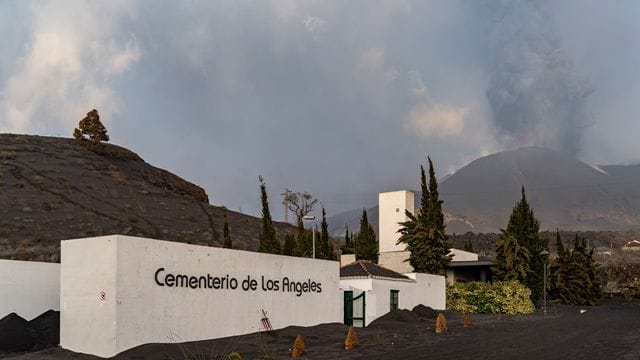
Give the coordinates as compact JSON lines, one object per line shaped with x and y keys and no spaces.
{"x":348,"y":308}
{"x":394,"y":300}
{"x":354,"y":309}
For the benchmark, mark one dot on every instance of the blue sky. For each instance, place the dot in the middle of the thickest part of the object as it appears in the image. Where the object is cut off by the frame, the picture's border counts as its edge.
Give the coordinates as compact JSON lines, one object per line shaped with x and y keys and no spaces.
{"x":342,"y":99}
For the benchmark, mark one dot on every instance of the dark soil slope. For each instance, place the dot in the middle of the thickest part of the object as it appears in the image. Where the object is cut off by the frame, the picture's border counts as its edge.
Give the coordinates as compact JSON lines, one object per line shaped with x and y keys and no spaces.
{"x":53,"y":189}
{"x":608,"y":331}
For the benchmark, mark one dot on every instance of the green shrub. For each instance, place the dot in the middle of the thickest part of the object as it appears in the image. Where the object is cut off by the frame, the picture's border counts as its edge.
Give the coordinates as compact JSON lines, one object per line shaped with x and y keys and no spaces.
{"x":505,"y":297}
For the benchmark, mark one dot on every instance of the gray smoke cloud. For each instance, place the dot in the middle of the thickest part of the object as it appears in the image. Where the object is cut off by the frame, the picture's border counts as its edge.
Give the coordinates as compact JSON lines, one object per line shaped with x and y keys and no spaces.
{"x":535,"y":93}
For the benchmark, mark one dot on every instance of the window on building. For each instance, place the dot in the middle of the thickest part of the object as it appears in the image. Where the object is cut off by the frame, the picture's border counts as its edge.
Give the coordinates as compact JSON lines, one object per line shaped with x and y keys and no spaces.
{"x":394,"y":299}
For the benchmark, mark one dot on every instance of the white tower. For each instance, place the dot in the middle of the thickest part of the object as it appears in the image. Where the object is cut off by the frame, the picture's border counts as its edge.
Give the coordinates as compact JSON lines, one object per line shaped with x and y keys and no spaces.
{"x":392,"y":207}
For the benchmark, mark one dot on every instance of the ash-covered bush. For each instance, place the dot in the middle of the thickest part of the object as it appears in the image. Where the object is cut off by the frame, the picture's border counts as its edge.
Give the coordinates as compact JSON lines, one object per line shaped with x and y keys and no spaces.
{"x":504,"y":297}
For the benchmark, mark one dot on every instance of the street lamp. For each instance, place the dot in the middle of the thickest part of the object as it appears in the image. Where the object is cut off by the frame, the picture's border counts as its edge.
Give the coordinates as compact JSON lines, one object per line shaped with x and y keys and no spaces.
{"x":313,"y":236}
{"x":545,"y":253}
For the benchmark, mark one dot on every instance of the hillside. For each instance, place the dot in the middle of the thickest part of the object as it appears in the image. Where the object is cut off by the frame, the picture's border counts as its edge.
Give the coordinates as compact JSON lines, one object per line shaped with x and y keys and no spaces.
{"x":564,"y":192}
{"x":53,"y":189}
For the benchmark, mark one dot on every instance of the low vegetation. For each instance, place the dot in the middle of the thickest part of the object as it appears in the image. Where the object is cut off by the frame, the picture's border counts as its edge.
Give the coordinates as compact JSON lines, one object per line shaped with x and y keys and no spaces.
{"x":503,"y":297}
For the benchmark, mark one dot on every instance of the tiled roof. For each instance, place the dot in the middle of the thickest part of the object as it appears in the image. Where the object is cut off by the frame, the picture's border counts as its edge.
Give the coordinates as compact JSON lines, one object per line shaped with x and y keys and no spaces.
{"x":367,"y":269}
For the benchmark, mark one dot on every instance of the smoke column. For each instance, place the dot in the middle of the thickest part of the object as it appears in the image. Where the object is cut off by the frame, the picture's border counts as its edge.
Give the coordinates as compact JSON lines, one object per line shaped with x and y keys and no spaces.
{"x":535,"y":94}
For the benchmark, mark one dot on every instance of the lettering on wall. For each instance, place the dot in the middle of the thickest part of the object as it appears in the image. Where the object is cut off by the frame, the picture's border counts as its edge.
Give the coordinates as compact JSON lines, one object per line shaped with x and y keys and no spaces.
{"x":285,"y":284}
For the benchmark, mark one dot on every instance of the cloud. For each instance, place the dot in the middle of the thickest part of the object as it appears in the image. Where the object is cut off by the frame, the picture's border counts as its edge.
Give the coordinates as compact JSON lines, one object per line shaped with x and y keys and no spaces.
{"x":430,"y":118}
{"x":231,"y":89}
{"x":371,"y":59}
{"x":438,"y":120}
{"x":69,"y":62}
{"x":121,"y":60}
{"x":418,"y":89}
{"x":315,"y":24}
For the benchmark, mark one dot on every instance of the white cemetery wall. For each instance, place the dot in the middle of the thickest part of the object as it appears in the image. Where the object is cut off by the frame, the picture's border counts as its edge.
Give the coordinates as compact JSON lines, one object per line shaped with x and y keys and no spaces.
{"x":29,"y":288}
{"x":160,"y":291}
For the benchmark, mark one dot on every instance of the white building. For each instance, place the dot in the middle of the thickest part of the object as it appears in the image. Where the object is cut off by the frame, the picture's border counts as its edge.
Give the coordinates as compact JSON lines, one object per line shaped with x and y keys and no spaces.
{"x":392,"y":207}
{"x":371,"y":291}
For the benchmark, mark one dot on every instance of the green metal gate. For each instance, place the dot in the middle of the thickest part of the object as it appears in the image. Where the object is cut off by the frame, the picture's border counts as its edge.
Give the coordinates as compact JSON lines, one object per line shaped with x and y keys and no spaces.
{"x":354,"y":309}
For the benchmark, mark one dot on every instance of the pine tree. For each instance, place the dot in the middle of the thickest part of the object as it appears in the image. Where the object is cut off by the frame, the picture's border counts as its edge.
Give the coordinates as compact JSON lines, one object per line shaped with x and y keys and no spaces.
{"x":424,"y":233}
{"x":366,"y":244}
{"x":268,"y":241}
{"x":289,"y":245}
{"x":225,"y":234}
{"x":522,"y":233}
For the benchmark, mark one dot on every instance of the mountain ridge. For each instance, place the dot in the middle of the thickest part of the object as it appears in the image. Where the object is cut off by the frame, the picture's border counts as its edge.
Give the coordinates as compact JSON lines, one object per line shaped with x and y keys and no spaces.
{"x":564,"y":193}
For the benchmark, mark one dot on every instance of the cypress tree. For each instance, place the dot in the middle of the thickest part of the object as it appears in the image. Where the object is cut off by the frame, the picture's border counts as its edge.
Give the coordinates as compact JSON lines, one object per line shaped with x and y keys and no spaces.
{"x":304,"y":244}
{"x":512,"y":260}
{"x":289,"y":244}
{"x":332,"y":253}
{"x":522,"y":232}
{"x":225,"y":233}
{"x":424,"y":233}
{"x":366,"y":244}
{"x":325,"y":243}
{"x":435,"y":215}
{"x":268,"y":241}
{"x":347,"y":248}
{"x":468,"y":245}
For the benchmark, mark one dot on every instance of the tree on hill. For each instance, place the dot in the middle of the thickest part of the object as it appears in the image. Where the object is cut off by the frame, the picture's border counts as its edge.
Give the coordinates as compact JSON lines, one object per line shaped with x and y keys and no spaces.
{"x":424,"y":232}
{"x":267,"y":238}
{"x":225,"y":233}
{"x":573,"y":276}
{"x":90,"y":130}
{"x":518,"y":249}
{"x":366,"y":244}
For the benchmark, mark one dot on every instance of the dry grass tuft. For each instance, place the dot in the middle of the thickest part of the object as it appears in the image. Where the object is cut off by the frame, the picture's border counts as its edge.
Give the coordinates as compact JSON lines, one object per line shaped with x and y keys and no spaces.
{"x":465,"y":320}
{"x":441,"y":324}
{"x":351,"y":342}
{"x":298,"y":347}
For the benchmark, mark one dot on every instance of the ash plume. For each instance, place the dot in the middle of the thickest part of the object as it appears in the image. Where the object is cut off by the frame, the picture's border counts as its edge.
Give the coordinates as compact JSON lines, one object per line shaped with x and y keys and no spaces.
{"x":535,"y":93}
